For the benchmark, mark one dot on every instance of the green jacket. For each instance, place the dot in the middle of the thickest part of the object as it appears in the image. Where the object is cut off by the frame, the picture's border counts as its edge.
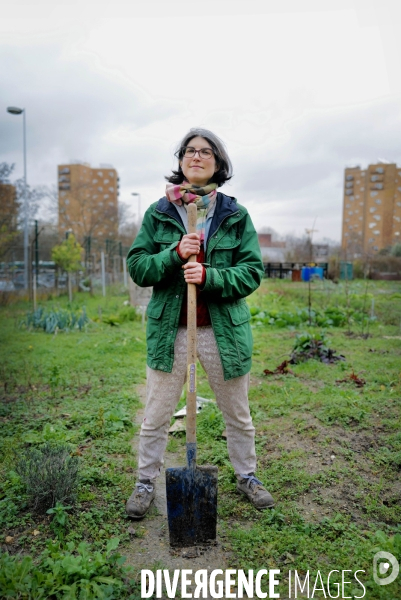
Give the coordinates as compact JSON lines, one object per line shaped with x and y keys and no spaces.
{"x":234,"y":269}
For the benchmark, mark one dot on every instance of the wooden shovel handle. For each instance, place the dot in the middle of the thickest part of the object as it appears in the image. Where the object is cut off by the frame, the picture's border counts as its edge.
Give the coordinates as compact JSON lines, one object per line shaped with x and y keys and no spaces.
{"x":191,"y":340}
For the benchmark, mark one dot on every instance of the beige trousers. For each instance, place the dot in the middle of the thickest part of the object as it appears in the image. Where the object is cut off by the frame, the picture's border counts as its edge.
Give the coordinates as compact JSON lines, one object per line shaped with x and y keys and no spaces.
{"x":163,"y":391}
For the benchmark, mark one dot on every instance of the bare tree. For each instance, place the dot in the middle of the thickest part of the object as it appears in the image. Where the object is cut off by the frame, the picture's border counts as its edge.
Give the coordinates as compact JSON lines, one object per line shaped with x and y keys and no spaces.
{"x":127,"y":226}
{"x":8,"y":210}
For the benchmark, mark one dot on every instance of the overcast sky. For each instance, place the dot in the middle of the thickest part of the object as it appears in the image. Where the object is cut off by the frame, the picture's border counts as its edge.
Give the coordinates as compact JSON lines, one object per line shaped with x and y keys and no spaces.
{"x":296,"y":89}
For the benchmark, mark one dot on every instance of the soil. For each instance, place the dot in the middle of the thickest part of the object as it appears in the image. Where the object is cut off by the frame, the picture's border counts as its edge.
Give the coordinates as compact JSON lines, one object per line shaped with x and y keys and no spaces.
{"x":326,"y":447}
{"x":150,"y":546}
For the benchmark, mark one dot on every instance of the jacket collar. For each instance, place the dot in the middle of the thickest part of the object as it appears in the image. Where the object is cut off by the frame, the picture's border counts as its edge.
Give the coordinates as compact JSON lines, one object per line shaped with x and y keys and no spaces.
{"x":225,"y":207}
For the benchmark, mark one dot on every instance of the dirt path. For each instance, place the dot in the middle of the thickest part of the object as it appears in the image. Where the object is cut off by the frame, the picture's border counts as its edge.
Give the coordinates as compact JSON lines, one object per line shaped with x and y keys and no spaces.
{"x":150,"y":546}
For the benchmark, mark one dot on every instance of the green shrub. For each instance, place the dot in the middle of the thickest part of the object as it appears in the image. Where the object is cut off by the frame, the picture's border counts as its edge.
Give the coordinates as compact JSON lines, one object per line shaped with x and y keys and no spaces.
{"x":129,"y":313}
{"x":50,"y":475}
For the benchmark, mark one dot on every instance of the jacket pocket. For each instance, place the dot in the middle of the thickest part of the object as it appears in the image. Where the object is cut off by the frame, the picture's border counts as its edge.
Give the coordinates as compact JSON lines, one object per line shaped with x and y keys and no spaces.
{"x":239,"y":313}
{"x":240,"y":317}
{"x":154,"y":325}
{"x":155,"y":308}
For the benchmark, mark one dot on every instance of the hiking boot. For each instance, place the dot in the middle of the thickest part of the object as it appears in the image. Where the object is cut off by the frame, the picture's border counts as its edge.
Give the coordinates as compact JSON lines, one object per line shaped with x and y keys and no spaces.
{"x":254,"y":491}
{"x":140,"y":500}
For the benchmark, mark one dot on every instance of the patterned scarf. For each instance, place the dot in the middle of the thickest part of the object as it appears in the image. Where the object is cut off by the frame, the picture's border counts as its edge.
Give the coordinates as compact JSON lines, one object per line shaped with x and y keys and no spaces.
{"x":204,"y":198}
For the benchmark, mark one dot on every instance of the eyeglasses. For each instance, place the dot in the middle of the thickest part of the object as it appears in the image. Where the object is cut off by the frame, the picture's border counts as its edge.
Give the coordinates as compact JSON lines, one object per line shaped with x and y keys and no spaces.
{"x":190,"y":152}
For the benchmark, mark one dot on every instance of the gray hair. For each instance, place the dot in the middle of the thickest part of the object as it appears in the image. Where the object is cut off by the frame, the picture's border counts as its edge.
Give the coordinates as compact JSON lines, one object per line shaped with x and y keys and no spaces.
{"x":225,"y":169}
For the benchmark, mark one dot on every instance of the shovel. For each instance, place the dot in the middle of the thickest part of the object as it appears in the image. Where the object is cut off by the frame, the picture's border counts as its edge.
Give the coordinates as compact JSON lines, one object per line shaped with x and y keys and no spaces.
{"x":192,"y":490}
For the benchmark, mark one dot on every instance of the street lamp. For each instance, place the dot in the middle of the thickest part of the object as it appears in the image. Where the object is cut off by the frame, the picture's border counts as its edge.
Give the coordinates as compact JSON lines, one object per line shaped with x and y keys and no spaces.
{"x":139,"y":205}
{"x":14,"y":110}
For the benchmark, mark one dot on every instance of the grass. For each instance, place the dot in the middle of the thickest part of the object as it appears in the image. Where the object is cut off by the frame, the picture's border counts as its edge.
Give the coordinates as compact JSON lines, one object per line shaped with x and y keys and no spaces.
{"x":329,"y":452}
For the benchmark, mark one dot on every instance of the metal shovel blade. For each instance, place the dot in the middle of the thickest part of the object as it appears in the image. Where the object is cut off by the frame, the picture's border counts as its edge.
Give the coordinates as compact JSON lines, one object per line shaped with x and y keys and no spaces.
{"x":191,"y":503}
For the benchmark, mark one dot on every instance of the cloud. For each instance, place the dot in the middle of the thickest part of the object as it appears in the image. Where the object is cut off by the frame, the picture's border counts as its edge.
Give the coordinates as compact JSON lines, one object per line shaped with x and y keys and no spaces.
{"x":296,"y":94}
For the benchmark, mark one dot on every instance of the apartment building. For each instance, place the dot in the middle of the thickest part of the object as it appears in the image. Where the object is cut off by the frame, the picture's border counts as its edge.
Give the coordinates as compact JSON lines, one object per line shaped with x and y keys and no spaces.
{"x":371,"y":208}
{"x":88,"y":201}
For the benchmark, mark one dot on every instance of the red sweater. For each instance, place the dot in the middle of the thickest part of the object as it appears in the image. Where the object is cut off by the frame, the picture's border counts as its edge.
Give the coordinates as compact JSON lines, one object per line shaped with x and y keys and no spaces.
{"x":202,"y":312}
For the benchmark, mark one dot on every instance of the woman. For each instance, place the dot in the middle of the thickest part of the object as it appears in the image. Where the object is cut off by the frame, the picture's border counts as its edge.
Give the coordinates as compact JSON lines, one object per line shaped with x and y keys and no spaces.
{"x":228,"y":268}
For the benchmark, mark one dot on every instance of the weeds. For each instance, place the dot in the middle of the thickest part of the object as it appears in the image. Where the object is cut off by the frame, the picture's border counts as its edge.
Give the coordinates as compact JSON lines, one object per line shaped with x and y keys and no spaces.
{"x":70,"y":573}
{"x":313,"y":345}
{"x":59,"y":523}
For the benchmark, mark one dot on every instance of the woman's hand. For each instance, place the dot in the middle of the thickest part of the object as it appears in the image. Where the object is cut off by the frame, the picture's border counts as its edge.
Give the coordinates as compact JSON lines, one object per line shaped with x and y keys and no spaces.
{"x":193,"y":272}
{"x":190,"y":244}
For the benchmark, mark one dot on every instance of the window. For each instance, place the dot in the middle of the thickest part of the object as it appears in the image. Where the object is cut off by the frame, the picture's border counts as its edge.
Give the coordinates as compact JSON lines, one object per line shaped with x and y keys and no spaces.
{"x":348,"y":206}
{"x":349,"y":226}
{"x":375,"y":248}
{"x":105,"y":181}
{"x":358,"y":182}
{"x":378,"y":186}
{"x":397,"y":219}
{"x":397,"y":203}
{"x":378,"y":201}
{"x":111,"y":189}
{"x":375,"y":178}
{"x":357,"y":197}
{"x":346,"y":220}
{"x":379,"y":170}
{"x":350,"y":184}
{"x":373,"y":194}
{"x":111,"y":174}
{"x":94,"y":196}
{"x":348,"y":192}
{"x":350,"y":212}
{"x":66,"y":201}
{"x":360,"y":218}
{"x":64,"y":171}
{"x":372,"y":209}
{"x":371,"y":240}
{"x":64,"y":193}
{"x":349,"y":178}
{"x":100,"y":189}
{"x":346,"y":234}
{"x":377,"y":217}
{"x":362,"y":173}
{"x":100,"y":173}
{"x":399,"y":189}
{"x":371,"y":225}
{"x":106,"y":196}
{"x":362,"y":189}
{"x":94,"y":180}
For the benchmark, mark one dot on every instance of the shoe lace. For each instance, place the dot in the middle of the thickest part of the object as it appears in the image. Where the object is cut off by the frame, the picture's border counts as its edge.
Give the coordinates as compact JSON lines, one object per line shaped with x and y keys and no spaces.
{"x":251,"y":481}
{"x":142,"y":487}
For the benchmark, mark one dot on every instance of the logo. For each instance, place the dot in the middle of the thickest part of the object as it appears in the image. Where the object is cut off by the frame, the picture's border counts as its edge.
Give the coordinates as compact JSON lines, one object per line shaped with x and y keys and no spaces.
{"x":382,"y":563}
